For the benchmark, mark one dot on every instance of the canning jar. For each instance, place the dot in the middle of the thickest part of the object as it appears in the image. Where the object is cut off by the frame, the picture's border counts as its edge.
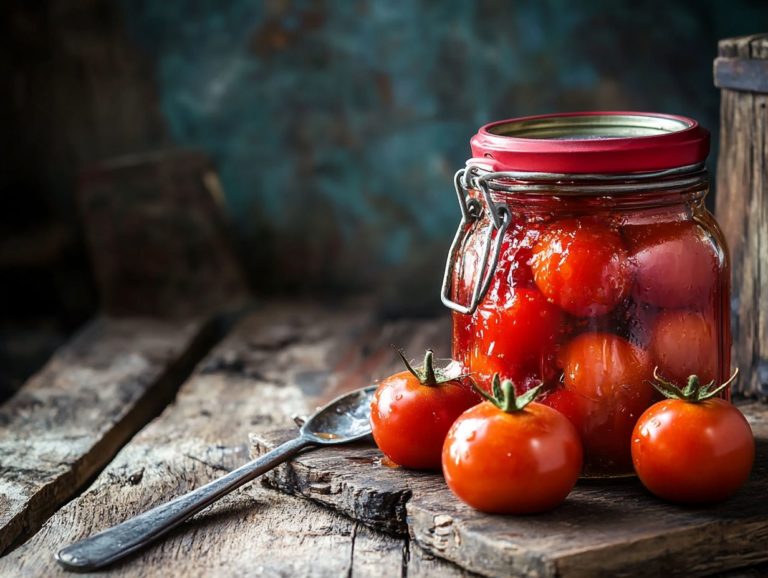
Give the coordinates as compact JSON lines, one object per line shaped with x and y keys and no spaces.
{"x":586,"y":258}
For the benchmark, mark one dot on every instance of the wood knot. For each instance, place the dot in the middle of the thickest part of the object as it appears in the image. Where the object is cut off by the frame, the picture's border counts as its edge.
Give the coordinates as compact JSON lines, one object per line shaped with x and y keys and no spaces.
{"x":136,"y":477}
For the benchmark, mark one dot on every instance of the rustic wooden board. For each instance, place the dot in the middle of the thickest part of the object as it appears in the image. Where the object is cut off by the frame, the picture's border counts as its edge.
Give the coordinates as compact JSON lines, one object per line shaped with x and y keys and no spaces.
{"x":278,"y":361}
{"x":70,"y":418}
{"x":742,"y":210}
{"x":601,"y":530}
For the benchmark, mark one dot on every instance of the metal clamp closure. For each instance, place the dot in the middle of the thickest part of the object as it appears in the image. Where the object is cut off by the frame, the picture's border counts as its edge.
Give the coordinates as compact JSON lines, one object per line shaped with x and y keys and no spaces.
{"x":471,"y":212}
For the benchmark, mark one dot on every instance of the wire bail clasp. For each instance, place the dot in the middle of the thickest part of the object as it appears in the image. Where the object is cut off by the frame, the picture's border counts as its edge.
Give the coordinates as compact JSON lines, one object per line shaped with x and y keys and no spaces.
{"x":471,"y":211}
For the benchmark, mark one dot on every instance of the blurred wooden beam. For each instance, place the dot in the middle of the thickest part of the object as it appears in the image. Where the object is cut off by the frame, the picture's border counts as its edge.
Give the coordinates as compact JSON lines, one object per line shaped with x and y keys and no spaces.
{"x":158,"y":235}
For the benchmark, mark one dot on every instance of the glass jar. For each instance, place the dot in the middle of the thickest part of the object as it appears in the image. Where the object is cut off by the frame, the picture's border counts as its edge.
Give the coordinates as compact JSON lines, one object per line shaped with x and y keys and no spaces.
{"x":586,"y":258}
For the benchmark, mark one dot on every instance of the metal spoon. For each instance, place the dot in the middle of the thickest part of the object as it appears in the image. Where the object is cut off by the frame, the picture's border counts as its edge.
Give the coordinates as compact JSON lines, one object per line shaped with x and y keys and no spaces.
{"x":345,"y":419}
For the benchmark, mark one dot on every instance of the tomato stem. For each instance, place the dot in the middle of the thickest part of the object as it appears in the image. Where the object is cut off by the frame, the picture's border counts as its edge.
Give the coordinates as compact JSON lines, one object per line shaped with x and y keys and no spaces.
{"x":509,"y":396}
{"x":427,"y":375}
{"x":429,"y":369}
{"x":694,"y":391}
{"x":504,"y":395}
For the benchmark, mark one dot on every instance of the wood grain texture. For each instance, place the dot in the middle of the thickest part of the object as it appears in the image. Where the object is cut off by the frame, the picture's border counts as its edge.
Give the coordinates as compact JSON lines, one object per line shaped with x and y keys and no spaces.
{"x":279,"y":361}
{"x":742,"y":210}
{"x":601,"y":530}
{"x":70,"y":418}
{"x":741,"y":74}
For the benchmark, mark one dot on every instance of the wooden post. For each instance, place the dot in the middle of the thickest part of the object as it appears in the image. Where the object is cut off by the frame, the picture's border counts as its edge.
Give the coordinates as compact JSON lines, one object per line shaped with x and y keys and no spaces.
{"x":741,"y":71}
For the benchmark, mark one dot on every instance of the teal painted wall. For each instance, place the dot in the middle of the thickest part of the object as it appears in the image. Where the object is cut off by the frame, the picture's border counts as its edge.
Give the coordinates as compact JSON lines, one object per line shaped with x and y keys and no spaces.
{"x":337,"y":126}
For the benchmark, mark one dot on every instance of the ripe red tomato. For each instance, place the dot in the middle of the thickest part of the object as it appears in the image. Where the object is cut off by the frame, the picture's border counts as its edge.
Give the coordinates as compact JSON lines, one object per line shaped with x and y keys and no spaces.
{"x":514,"y":461}
{"x":515,"y":338}
{"x":606,"y":366}
{"x":693,"y":452}
{"x":683,"y":343}
{"x":582,"y":267}
{"x":607,"y":377}
{"x":676,"y":264}
{"x":412,"y":411}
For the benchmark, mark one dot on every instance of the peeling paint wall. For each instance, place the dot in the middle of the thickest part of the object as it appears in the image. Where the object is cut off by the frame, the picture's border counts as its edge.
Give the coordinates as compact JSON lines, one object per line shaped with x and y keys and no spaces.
{"x":337,"y":125}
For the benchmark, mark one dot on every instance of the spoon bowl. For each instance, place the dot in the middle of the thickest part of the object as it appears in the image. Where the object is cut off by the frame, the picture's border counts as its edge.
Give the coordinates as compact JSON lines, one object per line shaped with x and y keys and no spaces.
{"x":345,"y":419}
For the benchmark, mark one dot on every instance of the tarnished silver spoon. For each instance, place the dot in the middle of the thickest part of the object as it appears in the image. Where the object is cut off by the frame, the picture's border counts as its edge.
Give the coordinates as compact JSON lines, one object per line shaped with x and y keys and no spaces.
{"x":345,"y":419}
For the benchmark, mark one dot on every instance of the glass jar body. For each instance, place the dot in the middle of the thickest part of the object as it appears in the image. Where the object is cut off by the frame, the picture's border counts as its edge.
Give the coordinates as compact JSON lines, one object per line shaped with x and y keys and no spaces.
{"x":591,"y":292}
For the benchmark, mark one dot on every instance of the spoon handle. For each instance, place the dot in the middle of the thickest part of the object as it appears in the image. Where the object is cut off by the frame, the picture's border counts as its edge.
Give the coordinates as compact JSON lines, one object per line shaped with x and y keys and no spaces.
{"x":119,"y":541}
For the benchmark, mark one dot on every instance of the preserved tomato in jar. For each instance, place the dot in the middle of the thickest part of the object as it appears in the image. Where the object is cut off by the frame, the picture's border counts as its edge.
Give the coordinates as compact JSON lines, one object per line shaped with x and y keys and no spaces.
{"x":584,"y":259}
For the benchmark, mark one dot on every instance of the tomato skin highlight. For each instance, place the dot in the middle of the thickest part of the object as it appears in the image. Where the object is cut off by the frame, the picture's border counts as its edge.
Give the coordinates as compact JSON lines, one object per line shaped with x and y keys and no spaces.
{"x":693,"y":453}
{"x":512,"y":463}
{"x":582,"y":267}
{"x":409,"y":421}
{"x":684,"y":343}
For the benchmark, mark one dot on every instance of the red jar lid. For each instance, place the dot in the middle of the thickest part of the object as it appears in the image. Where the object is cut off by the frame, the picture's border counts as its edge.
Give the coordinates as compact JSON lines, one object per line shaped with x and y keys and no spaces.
{"x":591,"y":142}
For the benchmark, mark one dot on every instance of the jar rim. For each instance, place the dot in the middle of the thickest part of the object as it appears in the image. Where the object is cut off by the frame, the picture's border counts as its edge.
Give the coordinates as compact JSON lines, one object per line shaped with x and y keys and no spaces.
{"x":549,"y":184}
{"x":600,"y":142}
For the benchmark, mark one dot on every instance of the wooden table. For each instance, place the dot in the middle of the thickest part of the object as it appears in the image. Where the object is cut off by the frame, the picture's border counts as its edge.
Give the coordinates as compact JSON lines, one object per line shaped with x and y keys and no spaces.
{"x":134,"y":411}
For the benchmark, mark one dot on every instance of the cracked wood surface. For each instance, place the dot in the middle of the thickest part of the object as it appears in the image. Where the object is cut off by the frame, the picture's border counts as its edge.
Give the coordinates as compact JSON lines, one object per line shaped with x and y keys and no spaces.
{"x":70,"y":418}
{"x":279,"y":361}
{"x":601,"y":530}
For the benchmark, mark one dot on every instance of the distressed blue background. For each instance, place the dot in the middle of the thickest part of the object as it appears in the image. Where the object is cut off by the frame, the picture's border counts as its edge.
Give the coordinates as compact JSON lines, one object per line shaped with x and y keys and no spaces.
{"x":337,"y":126}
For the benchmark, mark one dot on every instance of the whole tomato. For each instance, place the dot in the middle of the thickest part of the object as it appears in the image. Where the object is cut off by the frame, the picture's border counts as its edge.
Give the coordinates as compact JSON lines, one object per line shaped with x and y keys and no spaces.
{"x":511,"y":455}
{"x":683,"y":343}
{"x":582,"y":266}
{"x":692,"y":448}
{"x":606,"y":390}
{"x":676,"y":264}
{"x":515,"y":338}
{"x":605,"y":366}
{"x":412,"y":411}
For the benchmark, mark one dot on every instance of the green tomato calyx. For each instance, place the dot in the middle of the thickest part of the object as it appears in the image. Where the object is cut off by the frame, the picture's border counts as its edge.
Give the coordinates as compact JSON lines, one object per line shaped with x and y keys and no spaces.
{"x":694,"y":391}
{"x":427,"y":374}
{"x":504,"y":396}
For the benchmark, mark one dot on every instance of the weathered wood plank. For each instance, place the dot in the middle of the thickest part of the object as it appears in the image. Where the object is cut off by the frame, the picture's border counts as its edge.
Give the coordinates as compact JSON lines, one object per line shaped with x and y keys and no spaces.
{"x":351,"y":479}
{"x":376,"y":555}
{"x":741,"y":74}
{"x":279,"y":361}
{"x":742,"y":210}
{"x":70,"y":418}
{"x":601,"y":530}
